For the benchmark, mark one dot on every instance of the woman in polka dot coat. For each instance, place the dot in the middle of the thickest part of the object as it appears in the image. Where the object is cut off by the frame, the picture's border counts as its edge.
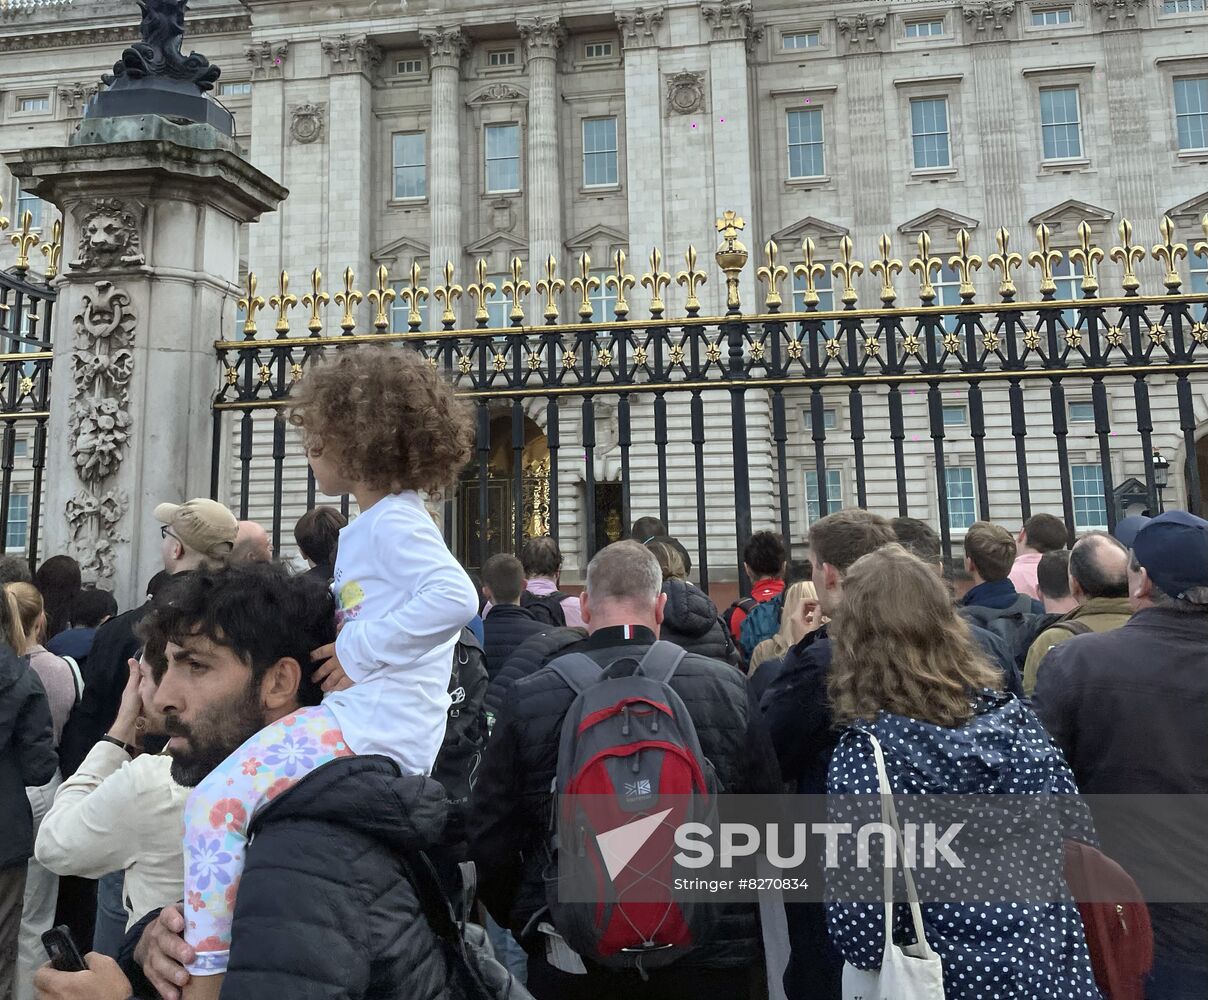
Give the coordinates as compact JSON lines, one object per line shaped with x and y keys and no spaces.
{"x":906,"y":672}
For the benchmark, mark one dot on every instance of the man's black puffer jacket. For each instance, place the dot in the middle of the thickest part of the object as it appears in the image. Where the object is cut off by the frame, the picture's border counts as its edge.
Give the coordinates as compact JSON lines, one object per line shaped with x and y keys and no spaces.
{"x":690,"y":620}
{"x":529,"y":657}
{"x":508,"y":820}
{"x":325,"y":911}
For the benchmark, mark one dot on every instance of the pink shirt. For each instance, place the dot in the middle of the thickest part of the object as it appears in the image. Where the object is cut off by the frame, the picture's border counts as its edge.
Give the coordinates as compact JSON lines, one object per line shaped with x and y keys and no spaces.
{"x":1023,"y":574}
{"x":570,"y":605}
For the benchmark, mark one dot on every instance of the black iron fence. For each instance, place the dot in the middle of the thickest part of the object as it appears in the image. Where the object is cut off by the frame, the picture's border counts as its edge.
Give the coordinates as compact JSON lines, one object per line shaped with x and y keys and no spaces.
{"x":724,"y":423}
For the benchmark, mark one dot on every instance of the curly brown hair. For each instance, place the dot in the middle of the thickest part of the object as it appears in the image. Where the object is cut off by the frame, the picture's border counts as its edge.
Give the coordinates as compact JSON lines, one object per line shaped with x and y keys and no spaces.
{"x":394,"y":421}
{"x":899,"y":645}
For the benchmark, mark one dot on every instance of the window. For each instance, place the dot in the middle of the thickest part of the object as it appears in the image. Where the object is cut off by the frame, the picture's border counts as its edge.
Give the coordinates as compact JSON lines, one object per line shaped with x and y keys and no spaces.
{"x":18,"y":521}
{"x":830,"y":419}
{"x":955,"y":415}
{"x":1081,"y":411}
{"x":1191,"y":112}
{"x":948,"y":293}
{"x":399,"y":311}
{"x":501,"y":57}
{"x":28,"y":105}
{"x":603,"y":299}
{"x":1183,"y":6}
{"x":597,"y":50}
{"x":1060,"y":126}
{"x":1090,"y":506}
{"x":800,"y":40}
{"x":1067,"y":276}
{"x":503,"y":158}
{"x":806,"y":157}
{"x":32,"y":204}
{"x":410,"y":177}
{"x":962,"y":503}
{"x":20,"y":448}
{"x":240,"y":318}
{"x":826,"y":297}
{"x":834,"y":494}
{"x":929,"y":131}
{"x":498,"y":304}
{"x":1199,"y":276}
{"x":599,"y":152}
{"x":924,"y":29}
{"x":240,"y":88}
{"x":409,"y":67}
{"x":1052,"y":16}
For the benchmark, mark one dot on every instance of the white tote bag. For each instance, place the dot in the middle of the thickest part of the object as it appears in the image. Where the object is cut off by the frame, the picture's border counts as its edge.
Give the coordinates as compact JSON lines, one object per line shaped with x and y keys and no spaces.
{"x":908,"y":972}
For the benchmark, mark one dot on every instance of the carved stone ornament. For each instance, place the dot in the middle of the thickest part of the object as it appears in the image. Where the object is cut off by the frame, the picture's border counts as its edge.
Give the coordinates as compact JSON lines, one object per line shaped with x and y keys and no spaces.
{"x":1118,"y":12}
{"x":446,"y":46}
{"x":74,"y":97}
{"x":541,"y":36}
{"x":732,"y":20}
{"x":268,"y":58}
{"x":497,"y":93}
{"x":348,"y":55}
{"x":109,"y":237}
{"x":638,"y":27}
{"x":99,"y":420}
{"x":159,"y":53}
{"x":686,"y":93}
{"x":306,"y":122}
{"x":863,"y":32}
{"x":989,"y":15}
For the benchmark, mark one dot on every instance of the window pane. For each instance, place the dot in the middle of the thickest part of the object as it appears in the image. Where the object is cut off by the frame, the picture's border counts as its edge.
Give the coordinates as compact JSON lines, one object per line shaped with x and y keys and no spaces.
{"x":29,"y":203}
{"x":1058,"y":15}
{"x":955,"y":416}
{"x":929,"y":128}
{"x":1090,"y":507}
{"x":924,"y":29}
{"x":599,"y":151}
{"x":962,"y":504}
{"x":399,"y":311}
{"x":800,"y":40}
{"x":805,"y":143}
{"x":410,"y":175}
{"x":603,"y":299}
{"x":1082,"y":412}
{"x":18,"y":521}
{"x":826,"y":297}
{"x":1059,"y":123}
{"x":1191,"y":112}
{"x":1199,"y":278}
{"x":834,"y":494}
{"x":503,"y":157}
{"x":498,"y":304}
{"x":830,"y":419}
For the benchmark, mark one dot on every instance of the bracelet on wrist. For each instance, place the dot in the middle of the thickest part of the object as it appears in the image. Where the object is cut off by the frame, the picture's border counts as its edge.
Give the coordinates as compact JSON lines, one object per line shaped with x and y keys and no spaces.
{"x":130,"y":748}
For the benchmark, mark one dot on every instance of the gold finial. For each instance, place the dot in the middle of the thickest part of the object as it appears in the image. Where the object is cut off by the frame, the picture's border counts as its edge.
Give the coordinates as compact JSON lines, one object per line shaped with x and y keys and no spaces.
{"x":315,"y":300}
{"x":24,"y":241}
{"x":1127,"y":254}
{"x":965,"y":263}
{"x":516,"y":288}
{"x":810,"y":272}
{"x":413,"y":294}
{"x":3,"y":217}
{"x":691,"y":277}
{"x":585,"y":284}
{"x":1045,"y":258}
{"x":1089,"y":256}
{"x":480,"y":291}
{"x":772,"y":274}
{"x":849,"y":268}
{"x":251,"y":303}
{"x":380,"y":298}
{"x":550,"y":286}
{"x":886,"y":267}
{"x":283,"y":302}
{"x":1003,"y":261}
{"x":619,"y":281}
{"x":1170,"y":252}
{"x":53,"y":251}
{"x":731,"y":257}
{"x":923,"y":265}
{"x":348,"y":300}
{"x":656,"y":280}
{"x":448,"y":293}
{"x":1201,"y":247}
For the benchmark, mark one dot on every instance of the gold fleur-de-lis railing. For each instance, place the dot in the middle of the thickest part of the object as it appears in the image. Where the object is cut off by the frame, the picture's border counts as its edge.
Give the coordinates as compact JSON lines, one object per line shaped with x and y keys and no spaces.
{"x":551,"y":286}
{"x":811,"y":271}
{"x":1045,"y":258}
{"x":447,"y":294}
{"x":316,"y":301}
{"x":1004,"y":262}
{"x":283,"y":301}
{"x":379,"y":299}
{"x":887,"y":266}
{"x":847,"y":268}
{"x":619,"y":281}
{"x":584,"y":285}
{"x":965,"y":264}
{"x":1127,"y":254}
{"x":1088,"y":256}
{"x":413,"y":295}
{"x":480,"y":293}
{"x":773,"y":274}
{"x":25,"y":239}
{"x":348,"y":300}
{"x":1169,"y":252}
{"x":53,"y":251}
{"x":516,"y":288}
{"x":656,"y":280}
{"x":691,"y":277}
{"x":924,"y":265}
{"x":251,"y":303}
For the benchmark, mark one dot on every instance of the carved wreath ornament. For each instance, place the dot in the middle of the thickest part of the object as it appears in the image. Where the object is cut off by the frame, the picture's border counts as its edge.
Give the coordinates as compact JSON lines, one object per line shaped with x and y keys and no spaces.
{"x":686,"y":93}
{"x":306,"y":122}
{"x":101,"y":366}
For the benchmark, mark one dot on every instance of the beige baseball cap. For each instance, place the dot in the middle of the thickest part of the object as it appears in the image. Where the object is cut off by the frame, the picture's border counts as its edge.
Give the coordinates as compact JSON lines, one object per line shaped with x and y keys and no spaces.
{"x":205,"y":526}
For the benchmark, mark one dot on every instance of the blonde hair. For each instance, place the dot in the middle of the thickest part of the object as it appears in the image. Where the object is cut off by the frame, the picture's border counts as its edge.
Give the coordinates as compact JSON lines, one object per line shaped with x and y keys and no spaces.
{"x":900,"y":647}
{"x":22,"y":606}
{"x":671,"y":563}
{"x":775,"y":647}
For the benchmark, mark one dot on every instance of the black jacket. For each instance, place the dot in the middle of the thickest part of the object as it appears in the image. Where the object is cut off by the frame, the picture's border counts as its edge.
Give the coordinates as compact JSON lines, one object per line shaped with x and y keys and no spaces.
{"x":510,"y":806}
{"x":1130,"y":710}
{"x":529,"y":657}
{"x":504,"y":629}
{"x":27,"y":753}
{"x":690,"y":620}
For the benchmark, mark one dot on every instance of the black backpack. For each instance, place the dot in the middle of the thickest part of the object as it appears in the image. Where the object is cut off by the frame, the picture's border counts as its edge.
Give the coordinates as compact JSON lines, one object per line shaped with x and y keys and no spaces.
{"x":546,"y":608}
{"x":1016,"y":624}
{"x":466,"y":732}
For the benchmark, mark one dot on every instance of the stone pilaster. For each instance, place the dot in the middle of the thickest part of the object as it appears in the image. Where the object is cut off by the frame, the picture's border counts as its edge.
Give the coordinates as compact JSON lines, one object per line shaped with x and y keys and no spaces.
{"x":640,"y":32}
{"x":543,"y":37}
{"x":446,"y":49}
{"x":151,"y":213}
{"x":268,"y":61}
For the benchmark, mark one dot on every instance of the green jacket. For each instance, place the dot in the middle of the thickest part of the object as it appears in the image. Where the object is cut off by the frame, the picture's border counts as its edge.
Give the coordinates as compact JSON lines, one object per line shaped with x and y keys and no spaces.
{"x":1099,"y":614}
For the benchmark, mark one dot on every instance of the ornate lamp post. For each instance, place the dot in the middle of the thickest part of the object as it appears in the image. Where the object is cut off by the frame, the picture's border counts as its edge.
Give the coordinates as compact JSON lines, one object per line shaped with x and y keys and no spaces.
{"x":1161,"y":475}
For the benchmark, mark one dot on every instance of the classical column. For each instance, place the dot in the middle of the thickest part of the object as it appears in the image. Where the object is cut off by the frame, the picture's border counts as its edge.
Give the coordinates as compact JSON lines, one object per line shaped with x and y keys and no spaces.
{"x":151,"y":210}
{"x":542,"y":37}
{"x":446,"y":49}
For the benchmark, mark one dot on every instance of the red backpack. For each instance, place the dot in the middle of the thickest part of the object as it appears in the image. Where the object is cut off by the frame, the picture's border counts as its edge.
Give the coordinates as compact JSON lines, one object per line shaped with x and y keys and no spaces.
{"x":630,"y":770}
{"x":1118,"y":932}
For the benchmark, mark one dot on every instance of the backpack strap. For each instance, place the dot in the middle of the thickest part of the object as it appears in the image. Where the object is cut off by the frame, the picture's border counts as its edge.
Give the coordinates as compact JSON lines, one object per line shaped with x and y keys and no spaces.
{"x":661,"y":661}
{"x":441,"y":918}
{"x":577,"y":670}
{"x":1074,"y":627}
{"x":77,"y":676}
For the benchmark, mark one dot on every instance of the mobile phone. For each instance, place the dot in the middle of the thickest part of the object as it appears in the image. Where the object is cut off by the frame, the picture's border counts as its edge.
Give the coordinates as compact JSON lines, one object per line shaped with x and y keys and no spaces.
{"x":62,"y":950}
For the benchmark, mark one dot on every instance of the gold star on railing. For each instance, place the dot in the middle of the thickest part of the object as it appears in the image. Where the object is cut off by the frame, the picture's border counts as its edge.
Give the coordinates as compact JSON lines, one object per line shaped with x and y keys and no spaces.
{"x":266,"y":374}
{"x":757,"y":351}
{"x":1157,"y":335}
{"x":295,"y":373}
{"x":603,"y":358}
{"x":1031,"y":340}
{"x":640,"y":357}
{"x":713,"y":352}
{"x":832,"y":347}
{"x":794,"y":350}
{"x":1073,"y":337}
{"x":27,"y":386}
{"x":872,"y":346}
{"x":911,"y":345}
{"x":232,"y":376}
{"x":432,"y":361}
{"x":534,"y":360}
{"x":952,"y":343}
{"x":1115,"y":336}
{"x":499,"y":362}
{"x":1199,"y":333}
{"x":990,"y":342}
{"x":569,"y":360}
{"x":677,"y":355}
{"x":464,"y":364}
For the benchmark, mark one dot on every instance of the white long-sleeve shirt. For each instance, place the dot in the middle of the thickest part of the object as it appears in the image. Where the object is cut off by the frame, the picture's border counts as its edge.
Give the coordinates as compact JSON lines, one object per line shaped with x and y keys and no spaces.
{"x":118,"y":814}
{"x":403,"y":600}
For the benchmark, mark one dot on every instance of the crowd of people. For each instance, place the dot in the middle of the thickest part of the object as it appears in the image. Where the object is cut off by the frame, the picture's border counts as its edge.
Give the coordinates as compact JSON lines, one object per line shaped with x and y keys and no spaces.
{"x":269,"y":781}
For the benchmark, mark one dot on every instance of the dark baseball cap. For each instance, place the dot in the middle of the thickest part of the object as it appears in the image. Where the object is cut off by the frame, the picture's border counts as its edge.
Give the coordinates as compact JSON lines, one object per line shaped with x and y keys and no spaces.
{"x":1127,"y":528}
{"x":1173,"y":550}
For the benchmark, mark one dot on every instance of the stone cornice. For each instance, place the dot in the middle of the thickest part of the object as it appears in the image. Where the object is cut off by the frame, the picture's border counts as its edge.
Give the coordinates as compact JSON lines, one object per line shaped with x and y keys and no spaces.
{"x":115,"y":33}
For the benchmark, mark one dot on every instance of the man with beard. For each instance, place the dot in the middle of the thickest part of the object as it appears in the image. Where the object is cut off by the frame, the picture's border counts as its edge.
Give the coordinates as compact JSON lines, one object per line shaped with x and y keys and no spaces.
{"x":325,"y":907}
